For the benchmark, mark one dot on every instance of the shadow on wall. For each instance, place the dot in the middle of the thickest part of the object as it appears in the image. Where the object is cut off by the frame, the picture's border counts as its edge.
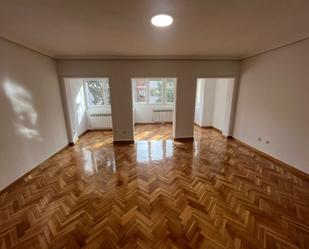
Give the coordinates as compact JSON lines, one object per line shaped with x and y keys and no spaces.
{"x":25,"y":114}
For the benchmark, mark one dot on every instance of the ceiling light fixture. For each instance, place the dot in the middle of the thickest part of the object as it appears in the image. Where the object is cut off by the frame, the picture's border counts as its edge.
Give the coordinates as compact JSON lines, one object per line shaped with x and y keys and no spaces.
{"x":162,"y":20}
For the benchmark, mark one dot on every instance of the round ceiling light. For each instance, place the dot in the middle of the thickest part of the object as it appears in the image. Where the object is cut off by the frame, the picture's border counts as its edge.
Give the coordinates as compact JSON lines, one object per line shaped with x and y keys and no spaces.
{"x":162,"y":20}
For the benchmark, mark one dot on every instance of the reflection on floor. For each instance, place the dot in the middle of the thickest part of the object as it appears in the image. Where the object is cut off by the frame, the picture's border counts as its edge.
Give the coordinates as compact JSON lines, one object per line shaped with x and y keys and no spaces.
{"x":212,"y":193}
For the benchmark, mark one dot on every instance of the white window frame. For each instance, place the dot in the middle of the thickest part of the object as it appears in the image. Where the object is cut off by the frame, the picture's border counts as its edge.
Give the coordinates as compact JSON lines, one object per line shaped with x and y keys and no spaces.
{"x":105,"y":93}
{"x":164,"y":102}
{"x":165,"y":92}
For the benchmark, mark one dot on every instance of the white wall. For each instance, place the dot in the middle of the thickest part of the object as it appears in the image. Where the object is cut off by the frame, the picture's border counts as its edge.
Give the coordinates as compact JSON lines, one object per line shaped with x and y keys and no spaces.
{"x":205,"y":102}
{"x":208,"y":102}
{"x":32,"y":126}
{"x":143,"y":112}
{"x":220,"y":103}
{"x":273,"y":104}
{"x":75,"y":101}
{"x":121,"y":72}
{"x":199,"y":96}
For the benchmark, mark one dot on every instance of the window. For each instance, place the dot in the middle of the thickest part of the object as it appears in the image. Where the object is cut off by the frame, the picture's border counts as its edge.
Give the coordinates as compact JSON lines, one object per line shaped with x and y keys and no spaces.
{"x":154,"y":91}
{"x":141,"y":91}
{"x":107,"y":93}
{"x":169,"y":91}
{"x":97,"y":92}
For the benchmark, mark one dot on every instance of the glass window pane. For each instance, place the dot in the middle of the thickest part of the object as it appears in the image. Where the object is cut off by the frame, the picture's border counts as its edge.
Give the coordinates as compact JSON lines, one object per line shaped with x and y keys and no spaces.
{"x":170,"y":91}
{"x":95,"y":93}
{"x":108,"y":97}
{"x":141,"y":91}
{"x":155,"y":91}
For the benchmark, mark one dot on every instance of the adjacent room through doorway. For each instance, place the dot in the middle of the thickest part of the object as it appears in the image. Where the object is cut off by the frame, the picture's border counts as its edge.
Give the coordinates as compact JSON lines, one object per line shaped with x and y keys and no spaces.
{"x":88,"y":106}
{"x":153,"y":108}
{"x":213,"y":105}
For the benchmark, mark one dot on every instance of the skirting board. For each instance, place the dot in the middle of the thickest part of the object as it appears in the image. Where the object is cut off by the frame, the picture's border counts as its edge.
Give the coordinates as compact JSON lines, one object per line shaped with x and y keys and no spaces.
{"x":153,"y":123}
{"x":184,"y":139}
{"x":92,"y":130}
{"x":123,"y":142}
{"x":271,"y":158}
{"x":216,"y":129}
{"x":21,"y":178}
{"x":103,"y":129}
{"x":209,"y":127}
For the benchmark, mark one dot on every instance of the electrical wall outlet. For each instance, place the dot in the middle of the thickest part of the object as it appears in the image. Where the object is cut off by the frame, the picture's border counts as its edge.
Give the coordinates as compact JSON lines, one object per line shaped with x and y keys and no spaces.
{"x":267,"y":142}
{"x":259,"y":139}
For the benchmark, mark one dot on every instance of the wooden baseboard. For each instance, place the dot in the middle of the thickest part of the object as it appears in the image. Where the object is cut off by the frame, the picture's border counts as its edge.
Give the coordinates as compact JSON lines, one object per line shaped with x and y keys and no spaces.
{"x":271,"y":158}
{"x":21,"y":178}
{"x":89,"y":130}
{"x":216,"y":129}
{"x":107,"y":129}
{"x":205,"y":127}
{"x":154,"y":123}
{"x":209,"y":127}
{"x":184,"y":139}
{"x":123,"y":142}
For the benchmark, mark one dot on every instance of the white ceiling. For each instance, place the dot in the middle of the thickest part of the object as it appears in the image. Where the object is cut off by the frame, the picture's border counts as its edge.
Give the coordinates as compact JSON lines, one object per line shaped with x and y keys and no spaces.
{"x":229,"y":29}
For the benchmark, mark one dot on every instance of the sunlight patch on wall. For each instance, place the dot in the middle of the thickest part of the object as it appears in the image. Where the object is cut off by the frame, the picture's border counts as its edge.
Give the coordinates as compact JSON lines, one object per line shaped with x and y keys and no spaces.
{"x":80,"y":102}
{"x":26,"y":115}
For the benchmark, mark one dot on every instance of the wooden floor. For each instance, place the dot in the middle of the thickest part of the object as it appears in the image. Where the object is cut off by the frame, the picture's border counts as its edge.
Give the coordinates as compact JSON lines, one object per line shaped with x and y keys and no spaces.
{"x":212,"y":193}
{"x":153,"y":132}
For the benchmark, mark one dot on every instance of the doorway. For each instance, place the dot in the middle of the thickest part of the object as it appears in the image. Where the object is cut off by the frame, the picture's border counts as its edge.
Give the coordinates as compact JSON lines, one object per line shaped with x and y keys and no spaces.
{"x":88,"y":106}
{"x":153,"y":108}
{"x":214,"y":102}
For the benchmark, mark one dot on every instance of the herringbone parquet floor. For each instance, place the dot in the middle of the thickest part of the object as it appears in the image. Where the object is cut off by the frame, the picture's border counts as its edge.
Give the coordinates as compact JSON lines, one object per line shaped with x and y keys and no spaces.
{"x":212,"y":193}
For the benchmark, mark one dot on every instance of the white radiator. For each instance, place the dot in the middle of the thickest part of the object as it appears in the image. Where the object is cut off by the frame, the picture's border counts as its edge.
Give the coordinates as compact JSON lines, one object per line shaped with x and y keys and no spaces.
{"x":162,"y":116}
{"x":100,"y":121}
